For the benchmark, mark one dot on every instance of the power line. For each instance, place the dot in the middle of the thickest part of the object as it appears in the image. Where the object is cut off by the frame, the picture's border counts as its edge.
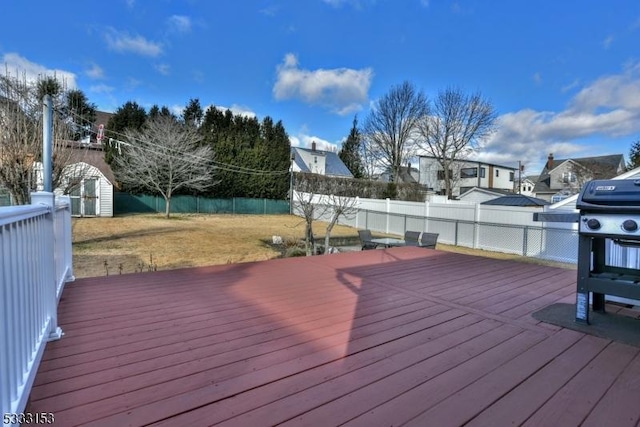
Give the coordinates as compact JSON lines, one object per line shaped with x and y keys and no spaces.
{"x":220,"y":165}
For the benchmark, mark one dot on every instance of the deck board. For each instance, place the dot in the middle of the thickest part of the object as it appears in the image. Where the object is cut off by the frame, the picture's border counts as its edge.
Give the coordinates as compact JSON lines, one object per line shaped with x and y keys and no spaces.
{"x":385,"y":337}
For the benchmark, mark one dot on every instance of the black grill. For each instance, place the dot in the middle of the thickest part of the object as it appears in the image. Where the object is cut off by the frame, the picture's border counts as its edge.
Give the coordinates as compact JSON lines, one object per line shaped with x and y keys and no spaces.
{"x":609,"y":210}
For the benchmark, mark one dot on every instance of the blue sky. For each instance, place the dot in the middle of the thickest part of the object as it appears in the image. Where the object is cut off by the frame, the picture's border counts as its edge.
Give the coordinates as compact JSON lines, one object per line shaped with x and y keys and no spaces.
{"x":564,"y":76}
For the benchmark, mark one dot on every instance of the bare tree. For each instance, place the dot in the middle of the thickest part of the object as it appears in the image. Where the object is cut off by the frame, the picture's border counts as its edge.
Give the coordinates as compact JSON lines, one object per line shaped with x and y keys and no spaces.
{"x":165,"y":157}
{"x":338,"y":207}
{"x":21,"y":136}
{"x":457,"y":125}
{"x":306,"y":206}
{"x":390,"y":129}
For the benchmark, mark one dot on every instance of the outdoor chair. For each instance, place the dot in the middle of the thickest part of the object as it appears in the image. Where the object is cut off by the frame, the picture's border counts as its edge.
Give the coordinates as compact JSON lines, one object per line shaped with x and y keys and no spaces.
{"x":428,"y":240}
{"x":412,"y":238}
{"x":365,"y":240}
{"x":423,"y":240}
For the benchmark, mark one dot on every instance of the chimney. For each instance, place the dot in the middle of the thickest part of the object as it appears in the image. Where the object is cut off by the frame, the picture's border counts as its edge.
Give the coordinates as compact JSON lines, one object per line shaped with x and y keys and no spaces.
{"x":313,"y":146}
{"x":550,"y":161}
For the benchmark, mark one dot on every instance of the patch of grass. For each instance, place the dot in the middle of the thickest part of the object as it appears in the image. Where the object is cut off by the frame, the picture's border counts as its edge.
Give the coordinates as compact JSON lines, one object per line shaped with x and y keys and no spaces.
{"x":127,"y":243}
{"x":184,"y":240}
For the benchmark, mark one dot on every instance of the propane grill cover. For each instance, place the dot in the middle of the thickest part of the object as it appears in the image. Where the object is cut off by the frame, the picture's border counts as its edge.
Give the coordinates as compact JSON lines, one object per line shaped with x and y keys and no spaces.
{"x":610,"y":195}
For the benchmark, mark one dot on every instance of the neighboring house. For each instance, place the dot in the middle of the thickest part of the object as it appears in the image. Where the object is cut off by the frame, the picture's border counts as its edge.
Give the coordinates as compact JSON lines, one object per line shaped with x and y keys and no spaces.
{"x":516,"y":200}
{"x":527,"y":184}
{"x":408,"y":175}
{"x":319,"y":162}
{"x":561,"y":178}
{"x":481,"y":195}
{"x":466,"y":175}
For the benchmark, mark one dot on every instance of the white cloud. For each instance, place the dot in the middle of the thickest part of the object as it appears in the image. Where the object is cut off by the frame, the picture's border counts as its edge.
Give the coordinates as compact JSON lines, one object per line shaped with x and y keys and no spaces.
{"x":609,"y":107}
{"x":102,"y":88}
{"x":164,"y":69}
{"x":95,"y":72}
{"x":122,"y":42}
{"x":180,"y":23}
{"x":19,"y":66}
{"x":537,"y":78}
{"x":238,"y":110}
{"x":606,"y":43}
{"x":341,"y":90}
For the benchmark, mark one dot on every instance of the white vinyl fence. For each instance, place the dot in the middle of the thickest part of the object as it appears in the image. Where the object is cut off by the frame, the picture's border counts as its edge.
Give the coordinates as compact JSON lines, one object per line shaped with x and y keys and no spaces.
{"x":494,"y":228}
{"x":35,"y":263}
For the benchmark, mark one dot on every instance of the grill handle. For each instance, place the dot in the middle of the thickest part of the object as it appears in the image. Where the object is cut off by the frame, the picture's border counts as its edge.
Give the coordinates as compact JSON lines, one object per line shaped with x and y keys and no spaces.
{"x":627,"y":243}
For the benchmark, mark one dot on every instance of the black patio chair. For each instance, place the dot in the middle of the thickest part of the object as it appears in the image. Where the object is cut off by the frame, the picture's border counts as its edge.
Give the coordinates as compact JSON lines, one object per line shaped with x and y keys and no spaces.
{"x":412,"y":238}
{"x":428,"y":240}
{"x":365,"y":240}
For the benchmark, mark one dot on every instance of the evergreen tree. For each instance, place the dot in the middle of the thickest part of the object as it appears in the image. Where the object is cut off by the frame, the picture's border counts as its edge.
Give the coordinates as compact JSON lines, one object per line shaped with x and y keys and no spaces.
{"x":193,"y":114}
{"x":350,"y":152}
{"x":252,"y":156}
{"x":130,"y":116}
{"x":154,"y":112}
{"x":634,"y":155}
{"x":81,"y":113}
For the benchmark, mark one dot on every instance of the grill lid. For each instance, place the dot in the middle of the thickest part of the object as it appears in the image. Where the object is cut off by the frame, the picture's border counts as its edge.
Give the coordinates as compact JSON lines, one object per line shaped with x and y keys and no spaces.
{"x":610,"y":195}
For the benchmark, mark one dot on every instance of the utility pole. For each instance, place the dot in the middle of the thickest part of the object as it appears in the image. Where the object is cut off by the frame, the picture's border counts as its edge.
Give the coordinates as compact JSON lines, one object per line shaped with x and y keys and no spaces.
{"x":519,"y":176}
{"x":293,"y":157}
{"x":47,"y":144}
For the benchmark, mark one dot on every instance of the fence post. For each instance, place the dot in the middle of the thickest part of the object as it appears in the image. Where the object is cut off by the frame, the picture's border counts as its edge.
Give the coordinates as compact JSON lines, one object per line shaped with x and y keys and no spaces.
{"x":525,"y":235}
{"x":456,"y":233}
{"x":51,"y":300}
{"x":387,"y":216}
{"x":68,"y":238}
{"x":476,"y":227}
{"x":357,"y":210}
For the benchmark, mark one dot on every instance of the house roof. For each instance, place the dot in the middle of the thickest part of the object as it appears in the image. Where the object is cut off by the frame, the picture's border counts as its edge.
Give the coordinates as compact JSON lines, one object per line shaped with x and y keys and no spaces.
{"x":492,"y":191}
{"x":516,"y":200}
{"x":93,"y":155}
{"x":478,"y":162}
{"x":609,"y":165}
{"x":333,"y":164}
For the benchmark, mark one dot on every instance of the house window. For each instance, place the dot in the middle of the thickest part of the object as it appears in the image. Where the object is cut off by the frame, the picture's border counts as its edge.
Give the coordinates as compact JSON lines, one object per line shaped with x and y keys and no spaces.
{"x":497,"y":173}
{"x":568,"y":177}
{"x":469,"y":173}
{"x":511,"y":176}
{"x":483,"y":172}
{"x":558,"y":198}
{"x":315,"y":159}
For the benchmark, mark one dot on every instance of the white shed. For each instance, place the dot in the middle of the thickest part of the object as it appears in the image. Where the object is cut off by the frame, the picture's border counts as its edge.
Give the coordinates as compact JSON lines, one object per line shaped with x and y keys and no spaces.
{"x":93,"y":194}
{"x":91,"y":181}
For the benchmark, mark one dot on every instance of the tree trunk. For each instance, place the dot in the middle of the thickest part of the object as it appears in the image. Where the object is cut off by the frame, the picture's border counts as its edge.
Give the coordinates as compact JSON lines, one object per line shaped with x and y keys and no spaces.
{"x":309,"y":241}
{"x":167,"y":210}
{"x":328,"y":234}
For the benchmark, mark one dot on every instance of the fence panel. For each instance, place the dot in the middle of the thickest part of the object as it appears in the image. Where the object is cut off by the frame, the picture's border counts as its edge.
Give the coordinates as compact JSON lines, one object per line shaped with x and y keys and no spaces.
{"x":125,"y":203}
{"x":30,"y":239}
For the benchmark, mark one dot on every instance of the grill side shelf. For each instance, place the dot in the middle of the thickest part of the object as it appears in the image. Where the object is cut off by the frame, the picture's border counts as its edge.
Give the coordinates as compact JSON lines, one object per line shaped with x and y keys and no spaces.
{"x":556,"y":217}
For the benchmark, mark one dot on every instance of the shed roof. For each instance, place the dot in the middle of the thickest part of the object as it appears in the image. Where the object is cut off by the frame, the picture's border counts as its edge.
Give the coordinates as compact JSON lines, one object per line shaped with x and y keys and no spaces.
{"x":516,"y":200}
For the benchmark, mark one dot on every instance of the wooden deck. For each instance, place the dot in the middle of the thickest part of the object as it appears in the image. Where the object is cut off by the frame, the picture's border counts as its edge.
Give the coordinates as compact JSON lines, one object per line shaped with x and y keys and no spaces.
{"x":374,"y":338}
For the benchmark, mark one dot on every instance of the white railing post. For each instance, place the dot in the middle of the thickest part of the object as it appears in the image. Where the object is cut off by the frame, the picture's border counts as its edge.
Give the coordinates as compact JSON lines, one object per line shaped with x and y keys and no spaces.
{"x":48,"y":241}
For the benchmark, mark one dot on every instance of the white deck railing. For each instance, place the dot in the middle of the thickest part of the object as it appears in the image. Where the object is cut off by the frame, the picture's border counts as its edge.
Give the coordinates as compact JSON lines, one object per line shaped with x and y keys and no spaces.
{"x":35,"y":262}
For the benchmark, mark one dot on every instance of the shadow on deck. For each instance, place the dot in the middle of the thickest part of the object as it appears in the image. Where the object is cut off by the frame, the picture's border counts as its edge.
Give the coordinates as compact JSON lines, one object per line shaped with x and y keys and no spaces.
{"x":388,"y":337}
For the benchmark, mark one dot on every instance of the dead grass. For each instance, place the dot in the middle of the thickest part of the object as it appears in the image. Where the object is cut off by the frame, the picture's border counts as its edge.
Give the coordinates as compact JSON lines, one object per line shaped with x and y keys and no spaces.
{"x":135,"y":243}
{"x":131,"y":243}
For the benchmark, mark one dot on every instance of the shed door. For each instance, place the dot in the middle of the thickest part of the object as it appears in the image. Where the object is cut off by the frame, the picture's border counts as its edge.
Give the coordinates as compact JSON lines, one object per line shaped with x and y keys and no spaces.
{"x":74,"y":194}
{"x":90,"y":197}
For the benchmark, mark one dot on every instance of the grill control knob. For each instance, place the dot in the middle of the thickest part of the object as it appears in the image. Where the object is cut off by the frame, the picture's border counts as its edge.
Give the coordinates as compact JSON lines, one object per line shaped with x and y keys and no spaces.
{"x":593,"y":224}
{"x":629,"y":225}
